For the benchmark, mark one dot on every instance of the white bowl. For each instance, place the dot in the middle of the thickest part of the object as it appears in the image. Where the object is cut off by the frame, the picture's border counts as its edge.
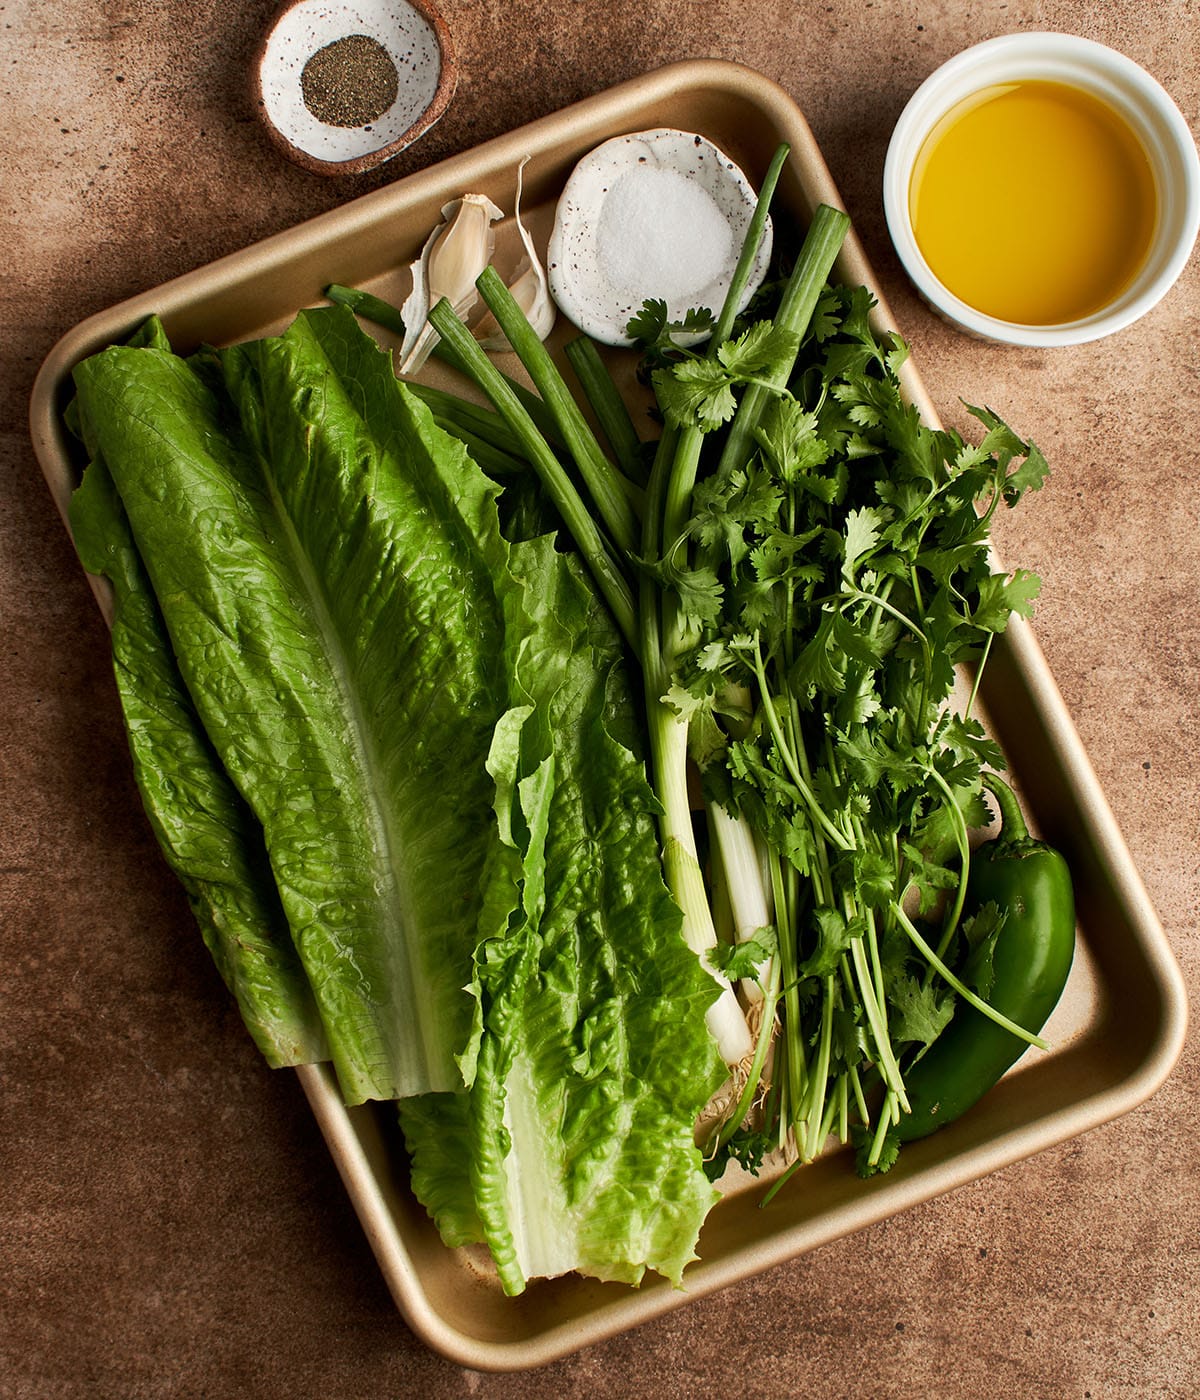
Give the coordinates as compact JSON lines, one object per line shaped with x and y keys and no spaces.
{"x":1106,"y":75}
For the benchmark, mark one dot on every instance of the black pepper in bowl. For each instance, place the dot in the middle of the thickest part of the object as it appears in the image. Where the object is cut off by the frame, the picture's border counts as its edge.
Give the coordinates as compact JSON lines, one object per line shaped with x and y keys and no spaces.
{"x":349,"y":82}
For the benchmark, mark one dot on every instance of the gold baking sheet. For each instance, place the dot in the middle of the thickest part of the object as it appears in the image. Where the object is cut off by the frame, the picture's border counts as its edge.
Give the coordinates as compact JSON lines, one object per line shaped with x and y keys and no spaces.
{"x":1121,"y":1023}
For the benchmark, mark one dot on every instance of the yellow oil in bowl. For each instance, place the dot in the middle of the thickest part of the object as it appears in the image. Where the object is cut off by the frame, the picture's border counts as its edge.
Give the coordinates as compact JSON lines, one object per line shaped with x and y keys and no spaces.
{"x":1033,"y":202}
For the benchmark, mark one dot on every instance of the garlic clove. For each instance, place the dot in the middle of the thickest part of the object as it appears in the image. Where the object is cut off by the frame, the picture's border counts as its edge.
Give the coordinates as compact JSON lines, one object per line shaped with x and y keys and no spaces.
{"x":530,"y":288}
{"x":454,"y":255}
{"x":531,"y":294}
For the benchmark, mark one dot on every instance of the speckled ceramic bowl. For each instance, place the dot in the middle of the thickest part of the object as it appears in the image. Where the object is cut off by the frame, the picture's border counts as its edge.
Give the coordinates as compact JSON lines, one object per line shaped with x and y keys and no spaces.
{"x":650,"y":213}
{"x":343,"y":87}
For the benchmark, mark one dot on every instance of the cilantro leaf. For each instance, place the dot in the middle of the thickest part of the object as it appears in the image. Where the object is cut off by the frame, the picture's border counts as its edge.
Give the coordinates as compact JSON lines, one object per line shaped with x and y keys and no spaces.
{"x":758,"y":350}
{"x":653,"y":332}
{"x":790,"y":440}
{"x":748,"y":1147}
{"x":862,"y":533}
{"x":647,"y":326}
{"x":1000,"y":595}
{"x":743,"y":959}
{"x":695,"y":393}
{"x":699,"y":392}
{"x":835,"y":933}
{"x":981,"y":932}
{"x":863,"y":1140}
{"x":920,"y":1011}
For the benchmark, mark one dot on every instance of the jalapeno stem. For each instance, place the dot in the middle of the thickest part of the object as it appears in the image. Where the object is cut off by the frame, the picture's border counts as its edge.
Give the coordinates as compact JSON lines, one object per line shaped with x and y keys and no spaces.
{"x":1012,"y":820}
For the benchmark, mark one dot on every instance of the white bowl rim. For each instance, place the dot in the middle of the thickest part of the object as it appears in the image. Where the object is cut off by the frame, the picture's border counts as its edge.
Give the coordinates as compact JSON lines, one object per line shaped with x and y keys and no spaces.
{"x":923,"y":109}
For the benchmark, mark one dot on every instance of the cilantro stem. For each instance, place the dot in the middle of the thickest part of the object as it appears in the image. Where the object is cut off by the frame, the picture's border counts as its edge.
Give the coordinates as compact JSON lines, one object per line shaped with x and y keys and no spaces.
{"x":876,"y":965}
{"x":961,"y":987}
{"x":886,"y":1115}
{"x":795,"y":1068}
{"x":762,"y":1044}
{"x":962,"y":841}
{"x":875,"y":1019}
{"x":795,"y":730}
{"x":838,"y":837}
{"x":832,"y":1106}
{"x":815,"y":1108}
{"x":860,"y":1099}
{"x":978,"y":676}
{"x":780,"y":1182}
{"x":877,"y":600}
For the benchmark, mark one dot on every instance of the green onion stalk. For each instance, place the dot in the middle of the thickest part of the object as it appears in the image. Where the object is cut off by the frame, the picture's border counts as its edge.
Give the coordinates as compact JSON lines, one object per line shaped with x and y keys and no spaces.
{"x":663,"y":637}
{"x":735,"y":842}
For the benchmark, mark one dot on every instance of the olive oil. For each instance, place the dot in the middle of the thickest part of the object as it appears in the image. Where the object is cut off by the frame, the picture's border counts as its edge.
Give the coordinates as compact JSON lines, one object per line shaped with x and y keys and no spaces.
{"x":1033,"y":202}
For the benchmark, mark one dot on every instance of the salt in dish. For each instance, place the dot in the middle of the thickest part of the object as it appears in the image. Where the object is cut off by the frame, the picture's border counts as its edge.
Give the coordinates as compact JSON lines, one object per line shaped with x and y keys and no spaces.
{"x":654,"y":214}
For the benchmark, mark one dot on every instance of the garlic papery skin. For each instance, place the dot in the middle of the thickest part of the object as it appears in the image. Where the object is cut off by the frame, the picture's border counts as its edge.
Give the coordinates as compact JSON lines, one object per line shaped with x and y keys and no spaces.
{"x":530,"y":288}
{"x":454,"y":255}
{"x":532,"y":295}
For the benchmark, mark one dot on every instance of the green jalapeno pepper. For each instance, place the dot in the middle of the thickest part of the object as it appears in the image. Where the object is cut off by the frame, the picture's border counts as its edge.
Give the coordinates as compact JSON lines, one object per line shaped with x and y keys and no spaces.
{"x":1030,"y":883}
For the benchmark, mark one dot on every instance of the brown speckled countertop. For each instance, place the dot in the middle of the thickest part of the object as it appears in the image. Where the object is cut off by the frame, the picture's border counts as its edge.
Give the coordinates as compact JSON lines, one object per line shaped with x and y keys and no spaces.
{"x":171,"y":1224}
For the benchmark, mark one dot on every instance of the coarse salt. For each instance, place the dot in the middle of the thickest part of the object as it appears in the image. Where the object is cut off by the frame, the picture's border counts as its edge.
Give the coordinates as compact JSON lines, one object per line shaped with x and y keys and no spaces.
{"x":660,"y":229}
{"x":656,"y":214}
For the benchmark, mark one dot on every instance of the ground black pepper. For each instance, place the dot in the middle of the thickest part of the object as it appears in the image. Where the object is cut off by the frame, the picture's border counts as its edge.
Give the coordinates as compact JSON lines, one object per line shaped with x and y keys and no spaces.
{"x":349,"y":82}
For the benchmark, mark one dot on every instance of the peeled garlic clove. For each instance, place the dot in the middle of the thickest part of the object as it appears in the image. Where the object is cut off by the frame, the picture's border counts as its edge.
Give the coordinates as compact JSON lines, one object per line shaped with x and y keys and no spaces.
{"x":454,"y":255}
{"x":530,"y":289}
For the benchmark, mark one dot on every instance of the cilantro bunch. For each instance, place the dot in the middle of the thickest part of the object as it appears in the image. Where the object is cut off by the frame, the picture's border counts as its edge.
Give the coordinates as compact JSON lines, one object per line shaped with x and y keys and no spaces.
{"x":832,"y":577}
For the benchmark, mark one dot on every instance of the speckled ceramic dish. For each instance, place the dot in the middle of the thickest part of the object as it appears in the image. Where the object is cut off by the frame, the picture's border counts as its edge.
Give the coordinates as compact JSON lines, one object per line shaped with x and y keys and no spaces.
{"x":345,"y":87}
{"x":676,"y":200}
{"x":1121,"y":1022}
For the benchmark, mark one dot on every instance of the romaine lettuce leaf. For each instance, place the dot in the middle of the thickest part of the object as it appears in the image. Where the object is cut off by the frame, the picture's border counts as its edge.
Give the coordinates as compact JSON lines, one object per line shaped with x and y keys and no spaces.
{"x":208,"y":835}
{"x":592,"y":1059}
{"x":327,"y":584}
